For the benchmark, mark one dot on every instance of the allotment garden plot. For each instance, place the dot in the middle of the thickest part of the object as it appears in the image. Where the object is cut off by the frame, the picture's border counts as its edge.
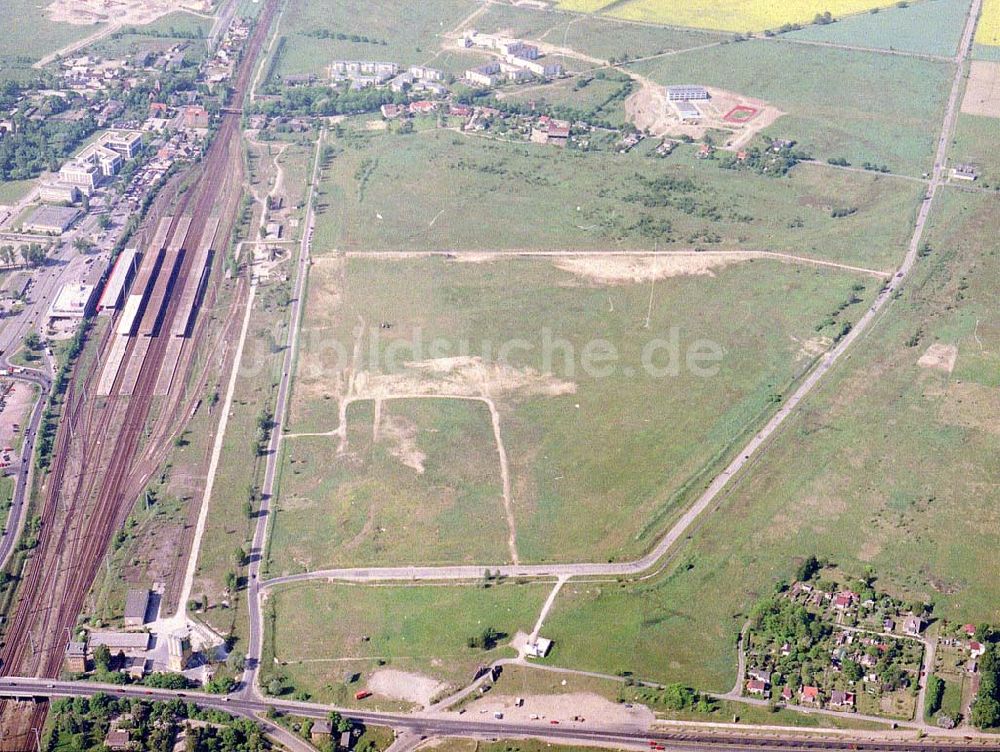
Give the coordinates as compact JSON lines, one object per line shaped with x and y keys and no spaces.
{"x":495,"y":441}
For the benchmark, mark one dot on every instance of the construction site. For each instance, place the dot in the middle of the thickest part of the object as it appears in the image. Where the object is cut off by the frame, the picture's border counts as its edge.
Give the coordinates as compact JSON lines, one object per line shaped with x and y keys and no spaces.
{"x":146,"y":377}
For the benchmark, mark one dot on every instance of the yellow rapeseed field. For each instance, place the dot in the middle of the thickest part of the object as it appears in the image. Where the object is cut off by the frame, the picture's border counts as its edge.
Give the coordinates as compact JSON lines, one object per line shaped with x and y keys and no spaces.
{"x":728,"y":15}
{"x":989,"y":23}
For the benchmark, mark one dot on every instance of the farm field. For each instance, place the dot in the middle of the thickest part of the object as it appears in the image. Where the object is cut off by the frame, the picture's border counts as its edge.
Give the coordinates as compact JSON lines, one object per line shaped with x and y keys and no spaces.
{"x":597,"y":36}
{"x":158,"y":35}
{"x":897,"y":28}
{"x":315,"y":632}
{"x":432,"y":476}
{"x":733,"y":15}
{"x":861,"y":106}
{"x":988,"y":31}
{"x":459,"y":190}
{"x":405,"y":32}
{"x":605,"y":458}
{"x":888,"y":465}
{"x":975,"y":142}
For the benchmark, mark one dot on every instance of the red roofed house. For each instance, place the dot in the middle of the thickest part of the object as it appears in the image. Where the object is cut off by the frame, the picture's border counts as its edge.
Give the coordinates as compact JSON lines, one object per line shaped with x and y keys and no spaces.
{"x":786,"y":693}
{"x":158,"y":109}
{"x":422,"y":107}
{"x":195,"y":116}
{"x":969,"y":629}
{"x":976,"y":649}
{"x":844,"y":599}
{"x":756,"y":687}
{"x":809,"y":695}
{"x":460,"y":110}
{"x":841,"y":699}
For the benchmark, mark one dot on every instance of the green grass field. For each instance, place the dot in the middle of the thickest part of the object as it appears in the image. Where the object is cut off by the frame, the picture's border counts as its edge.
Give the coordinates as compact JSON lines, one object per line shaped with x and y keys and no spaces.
{"x":974,"y":141}
{"x":30,"y":35}
{"x":896,"y":28}
{"x":887,"y":465}
{"x":414,"y":496}
{"x":862,"y":106}
{"x":599,"y":37}
{"x":412,"y":32}
{"x":316,"y":632}
{"x":571,"y":92}
{"x":12,"y":191}
{"x":466,"y":193}
{"x":122,"y":44}
{"x":604,"y":464}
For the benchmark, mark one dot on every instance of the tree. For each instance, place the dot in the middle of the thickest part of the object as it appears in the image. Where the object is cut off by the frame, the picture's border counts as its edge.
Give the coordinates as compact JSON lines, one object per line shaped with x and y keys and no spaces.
{"x":807,"y":569}
{"x":985,"y":712}
{"x":338,"y":722}
{"x":102,"y":658}
{"x":852,"y":670}
{"x":230,"y":581}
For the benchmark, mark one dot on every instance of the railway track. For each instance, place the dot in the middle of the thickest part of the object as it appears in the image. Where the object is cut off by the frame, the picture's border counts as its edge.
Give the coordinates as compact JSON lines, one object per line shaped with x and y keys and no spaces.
{"x":99,"y":462}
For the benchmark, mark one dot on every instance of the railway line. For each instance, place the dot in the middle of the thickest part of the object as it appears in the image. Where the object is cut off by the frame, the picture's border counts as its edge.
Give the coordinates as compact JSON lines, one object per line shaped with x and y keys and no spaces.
{"x":100,"y":464}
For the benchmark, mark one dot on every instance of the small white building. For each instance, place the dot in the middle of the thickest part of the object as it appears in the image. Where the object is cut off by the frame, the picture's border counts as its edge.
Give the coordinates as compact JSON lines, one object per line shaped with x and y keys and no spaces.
{"x":539,"y":648}
{"x":74,"y":301}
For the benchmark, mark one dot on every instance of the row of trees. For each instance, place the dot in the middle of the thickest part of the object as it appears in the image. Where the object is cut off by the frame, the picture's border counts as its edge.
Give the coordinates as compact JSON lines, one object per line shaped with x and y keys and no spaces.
{"x":31,"y":254}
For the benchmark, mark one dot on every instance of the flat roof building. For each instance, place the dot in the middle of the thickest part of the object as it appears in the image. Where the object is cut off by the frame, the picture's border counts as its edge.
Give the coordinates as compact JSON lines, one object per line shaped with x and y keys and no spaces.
{"x":51,"y":219}
{"x":74,"y":301}
{"x":59,"y":193}
{"x":85,"y":175}
{"x":136,"y":603}
{"x":121,"y":275}
{"x":684,"y":92}
{"x":687,"y":110}
{"x":75,"y":659}
{"x":132,"y":644}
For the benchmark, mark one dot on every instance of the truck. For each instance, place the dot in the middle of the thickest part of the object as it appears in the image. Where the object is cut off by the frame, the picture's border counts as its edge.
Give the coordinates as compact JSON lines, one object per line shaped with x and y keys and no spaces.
{"x":362,"y":694}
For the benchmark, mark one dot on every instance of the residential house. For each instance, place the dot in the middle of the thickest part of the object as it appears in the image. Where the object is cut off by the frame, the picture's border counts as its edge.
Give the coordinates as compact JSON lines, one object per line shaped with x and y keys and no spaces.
{"x":964,"y":172}
{"x":913,"y":626}
{"x":320,"y":732}
{"x":757,"y":687}
{"x":842,"y":699}
{"x":809,"y":696}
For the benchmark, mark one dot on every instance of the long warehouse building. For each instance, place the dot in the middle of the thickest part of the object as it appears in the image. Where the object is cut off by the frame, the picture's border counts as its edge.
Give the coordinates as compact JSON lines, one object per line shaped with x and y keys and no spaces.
{"x":118,"y":281}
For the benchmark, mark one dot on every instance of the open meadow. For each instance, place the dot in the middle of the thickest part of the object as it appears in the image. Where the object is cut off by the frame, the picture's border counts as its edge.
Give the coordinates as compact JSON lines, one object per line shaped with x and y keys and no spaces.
{"x":988,"y":31}
{"x":442,"y":191}
{"x":888,"y":465}
{"x":975,"y":142}
{"x":897,"y":28}
{"x":599,"y":457}
{"x":407,"y":33}
{"x":407,"y":644}
{"x":596,"y":36}
{"x":861,"y":106}
{"x":723,"y":15}
{"x":30,"y":35}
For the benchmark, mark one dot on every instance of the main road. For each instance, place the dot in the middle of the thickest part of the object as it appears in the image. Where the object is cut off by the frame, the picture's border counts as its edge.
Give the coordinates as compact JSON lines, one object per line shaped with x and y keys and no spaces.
{"x":652,"y":560}
{"x":589,"y":733}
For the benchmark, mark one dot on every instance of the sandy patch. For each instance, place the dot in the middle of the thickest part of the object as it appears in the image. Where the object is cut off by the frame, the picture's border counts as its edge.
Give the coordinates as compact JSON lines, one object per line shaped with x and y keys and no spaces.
{"x":812,"y":347}
{"x":564,"y":708}
{"x":649,"y":110}
{"x":617,"y":270}
{"x":120,"y":12}
{"x":376,"y":125}
{"x":402,"y":433}
{"x":972,"y":405}
{"x":16,"y":404}
{"x":460,"y":377}
{"x":403,"y":685}
{"x":982,"y":93}
{"x":940,"y":357}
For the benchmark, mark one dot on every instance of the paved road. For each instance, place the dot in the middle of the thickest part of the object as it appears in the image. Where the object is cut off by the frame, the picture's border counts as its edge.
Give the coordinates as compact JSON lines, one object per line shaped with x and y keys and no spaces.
{"x":588,"y":733}
{"x":719,"y":484}
{"x":257,"y":549}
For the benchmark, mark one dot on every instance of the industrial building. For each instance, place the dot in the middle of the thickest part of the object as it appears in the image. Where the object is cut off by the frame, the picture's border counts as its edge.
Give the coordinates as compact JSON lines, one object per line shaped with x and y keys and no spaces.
{"x":75,"y":659}
{"x":59,"y":193}
{"x":687,"y":110}
{"x":53,"y":220}
{"x":686,"y":92}
{"x":74,"y":301}
{"x":131,"y":644}
{"x":136,"y":604}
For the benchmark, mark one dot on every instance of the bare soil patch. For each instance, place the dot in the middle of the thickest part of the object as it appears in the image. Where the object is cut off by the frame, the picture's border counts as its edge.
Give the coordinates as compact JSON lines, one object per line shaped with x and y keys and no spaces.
{"x":120,"y":12}
{"x":17,"y":403}
{"x":940,"y":357}
{"x":982,"y":93}
{"x":618,"y":270}
{"x":649,"y":109}
{"x":405,"y":685}
{"x":402,"y":434}
{"x":564,"y":708}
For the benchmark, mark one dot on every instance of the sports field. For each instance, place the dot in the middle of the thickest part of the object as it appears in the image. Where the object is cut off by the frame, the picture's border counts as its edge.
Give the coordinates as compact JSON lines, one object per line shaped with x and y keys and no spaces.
{"x":889,"y":465}
{"x":604,"y":459}
{"x":724,"y":15}
{"x":862,"y":106}
{"x":470,"y":194}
